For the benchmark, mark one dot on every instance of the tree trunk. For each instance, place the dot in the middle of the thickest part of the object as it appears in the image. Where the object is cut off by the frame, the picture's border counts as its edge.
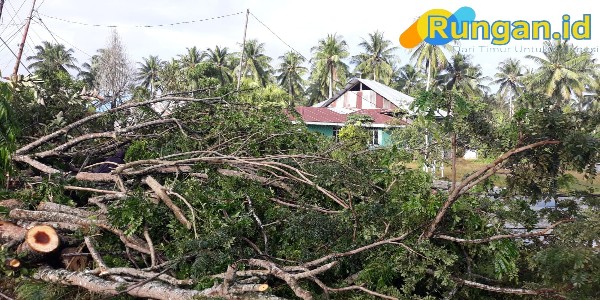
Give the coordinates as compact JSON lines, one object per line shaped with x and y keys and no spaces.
{"x":428,"y":75}
{"x":453,"y":162}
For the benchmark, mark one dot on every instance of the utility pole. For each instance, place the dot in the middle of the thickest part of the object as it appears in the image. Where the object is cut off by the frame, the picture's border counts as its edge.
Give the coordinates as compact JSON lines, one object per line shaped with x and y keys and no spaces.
{"x":24,"y":39}
{"x":243,"y":50}
{"x":1,"y":6}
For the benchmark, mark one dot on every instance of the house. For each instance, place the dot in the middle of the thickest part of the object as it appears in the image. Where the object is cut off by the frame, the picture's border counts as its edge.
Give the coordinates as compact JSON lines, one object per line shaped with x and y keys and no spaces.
{"x":386,"y":106}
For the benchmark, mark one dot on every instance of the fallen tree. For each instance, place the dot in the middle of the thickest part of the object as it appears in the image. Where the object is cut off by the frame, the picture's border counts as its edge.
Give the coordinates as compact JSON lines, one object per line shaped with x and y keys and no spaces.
{"x":222,"y":200}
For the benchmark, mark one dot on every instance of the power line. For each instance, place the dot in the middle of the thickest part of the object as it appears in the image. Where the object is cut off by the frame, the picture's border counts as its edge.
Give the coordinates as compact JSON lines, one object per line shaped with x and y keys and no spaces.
{"x":141,"y":26}
{"x":22,"y":64}
{"x":54,"y":35}
{"x":16,"y":12}
{"x":263,"y":24}
{"x":44,"y":25}
{"x":12,"y":21}
{"x":12,"y":36}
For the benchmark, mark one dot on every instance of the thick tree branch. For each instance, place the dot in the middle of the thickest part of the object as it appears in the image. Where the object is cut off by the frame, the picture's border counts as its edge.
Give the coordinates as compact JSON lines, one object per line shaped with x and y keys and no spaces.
{"x":36,"y":164}
{"x":45,"y":216}
{"x":159,"y":190}
{"x":460,"y":188}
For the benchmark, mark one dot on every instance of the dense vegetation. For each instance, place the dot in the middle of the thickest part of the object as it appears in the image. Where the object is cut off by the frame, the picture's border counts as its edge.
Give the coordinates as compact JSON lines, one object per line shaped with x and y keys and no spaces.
{"x":220,"y":192}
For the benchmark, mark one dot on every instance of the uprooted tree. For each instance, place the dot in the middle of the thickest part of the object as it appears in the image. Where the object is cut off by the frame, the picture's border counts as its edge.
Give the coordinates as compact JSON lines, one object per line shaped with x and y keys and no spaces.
{"x":217,"y":198}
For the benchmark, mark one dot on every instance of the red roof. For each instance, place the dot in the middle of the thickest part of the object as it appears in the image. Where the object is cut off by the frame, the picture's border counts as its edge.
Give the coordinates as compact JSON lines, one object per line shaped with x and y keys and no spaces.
{"x":328,"y":115}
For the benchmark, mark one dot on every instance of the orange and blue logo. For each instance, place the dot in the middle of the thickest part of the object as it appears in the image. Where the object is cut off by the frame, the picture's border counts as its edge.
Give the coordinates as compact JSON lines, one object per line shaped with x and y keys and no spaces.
{"x":440,"y":27}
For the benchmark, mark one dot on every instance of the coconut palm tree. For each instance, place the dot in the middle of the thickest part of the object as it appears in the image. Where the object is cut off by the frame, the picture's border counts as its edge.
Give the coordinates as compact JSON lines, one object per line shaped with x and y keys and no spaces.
{"x":563,"y":71}
{"x":510,"y":78}
{"x":171,"y":77}
{"x":191,"y":58}
{"x":222,"y":59}
{"x":431,"y":58}
{"x":377,"y":59}
{"x":290,"y":74}
{"x":408,"y":79}
{"x":148,"y":73}
{"x":462,"y":75}
{"x":88,"y":72}
{"x":256,"y":62}
{"x":329,"y":69}
{"x":50,"y":58}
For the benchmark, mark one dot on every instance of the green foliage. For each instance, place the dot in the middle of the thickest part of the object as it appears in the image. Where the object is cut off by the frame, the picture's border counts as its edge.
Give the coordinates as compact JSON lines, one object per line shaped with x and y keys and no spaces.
{"x":8,"y":129}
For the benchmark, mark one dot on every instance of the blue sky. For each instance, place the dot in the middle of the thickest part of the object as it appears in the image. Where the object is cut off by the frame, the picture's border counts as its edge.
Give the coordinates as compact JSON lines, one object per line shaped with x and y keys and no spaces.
{"x":300,"y":23}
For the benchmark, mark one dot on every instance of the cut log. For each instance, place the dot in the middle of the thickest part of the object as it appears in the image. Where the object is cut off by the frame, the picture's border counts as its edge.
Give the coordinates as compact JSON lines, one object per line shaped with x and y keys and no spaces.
{"x":73,"y":260}
{"x":12,"y":263}
{"x":11,"y":233}
{"x":11,"y":203}
{"x":39,"y":241}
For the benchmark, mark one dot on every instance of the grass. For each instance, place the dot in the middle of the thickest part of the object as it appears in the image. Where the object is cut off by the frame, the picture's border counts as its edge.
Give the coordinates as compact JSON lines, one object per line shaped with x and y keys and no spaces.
{"x":465,"y":167}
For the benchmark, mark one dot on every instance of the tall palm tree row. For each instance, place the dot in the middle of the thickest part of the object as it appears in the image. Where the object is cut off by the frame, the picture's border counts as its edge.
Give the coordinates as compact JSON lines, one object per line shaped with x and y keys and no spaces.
{"x":377,"y":59}
{"x":562,"y":71}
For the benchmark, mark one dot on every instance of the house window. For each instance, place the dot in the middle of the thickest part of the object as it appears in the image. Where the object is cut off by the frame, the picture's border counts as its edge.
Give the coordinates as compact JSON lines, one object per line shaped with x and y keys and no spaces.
{"x":336,"y":133}
{"x":374,"y":136}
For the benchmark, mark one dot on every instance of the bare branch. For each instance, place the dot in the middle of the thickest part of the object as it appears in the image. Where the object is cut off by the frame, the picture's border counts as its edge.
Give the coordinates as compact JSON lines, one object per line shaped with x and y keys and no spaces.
{"x":85,"y":189}
{"x":311,"y":207}
{"x":65,"y":130}
{"x":150,"y":246}
{"x":504,"y":236}
{"x":35,"y":164}
{"x":159,"y":190}
{"x":281,"y":274}
{"x":354,"y":251}
{"x":504,"y":290}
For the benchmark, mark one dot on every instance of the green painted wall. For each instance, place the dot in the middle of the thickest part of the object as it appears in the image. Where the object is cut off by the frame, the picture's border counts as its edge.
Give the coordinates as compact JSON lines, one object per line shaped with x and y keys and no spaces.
{"x":326,"y":130}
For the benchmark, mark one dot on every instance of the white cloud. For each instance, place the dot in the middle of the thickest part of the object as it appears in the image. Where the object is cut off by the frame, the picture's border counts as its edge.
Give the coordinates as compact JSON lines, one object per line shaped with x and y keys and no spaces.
{"x":300,"y":23}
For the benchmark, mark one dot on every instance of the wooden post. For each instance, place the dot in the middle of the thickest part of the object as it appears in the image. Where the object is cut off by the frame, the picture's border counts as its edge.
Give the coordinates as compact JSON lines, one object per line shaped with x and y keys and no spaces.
{"x":243,"y":50}
{"x":1,"y":7}
{"x":22,"y":45}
